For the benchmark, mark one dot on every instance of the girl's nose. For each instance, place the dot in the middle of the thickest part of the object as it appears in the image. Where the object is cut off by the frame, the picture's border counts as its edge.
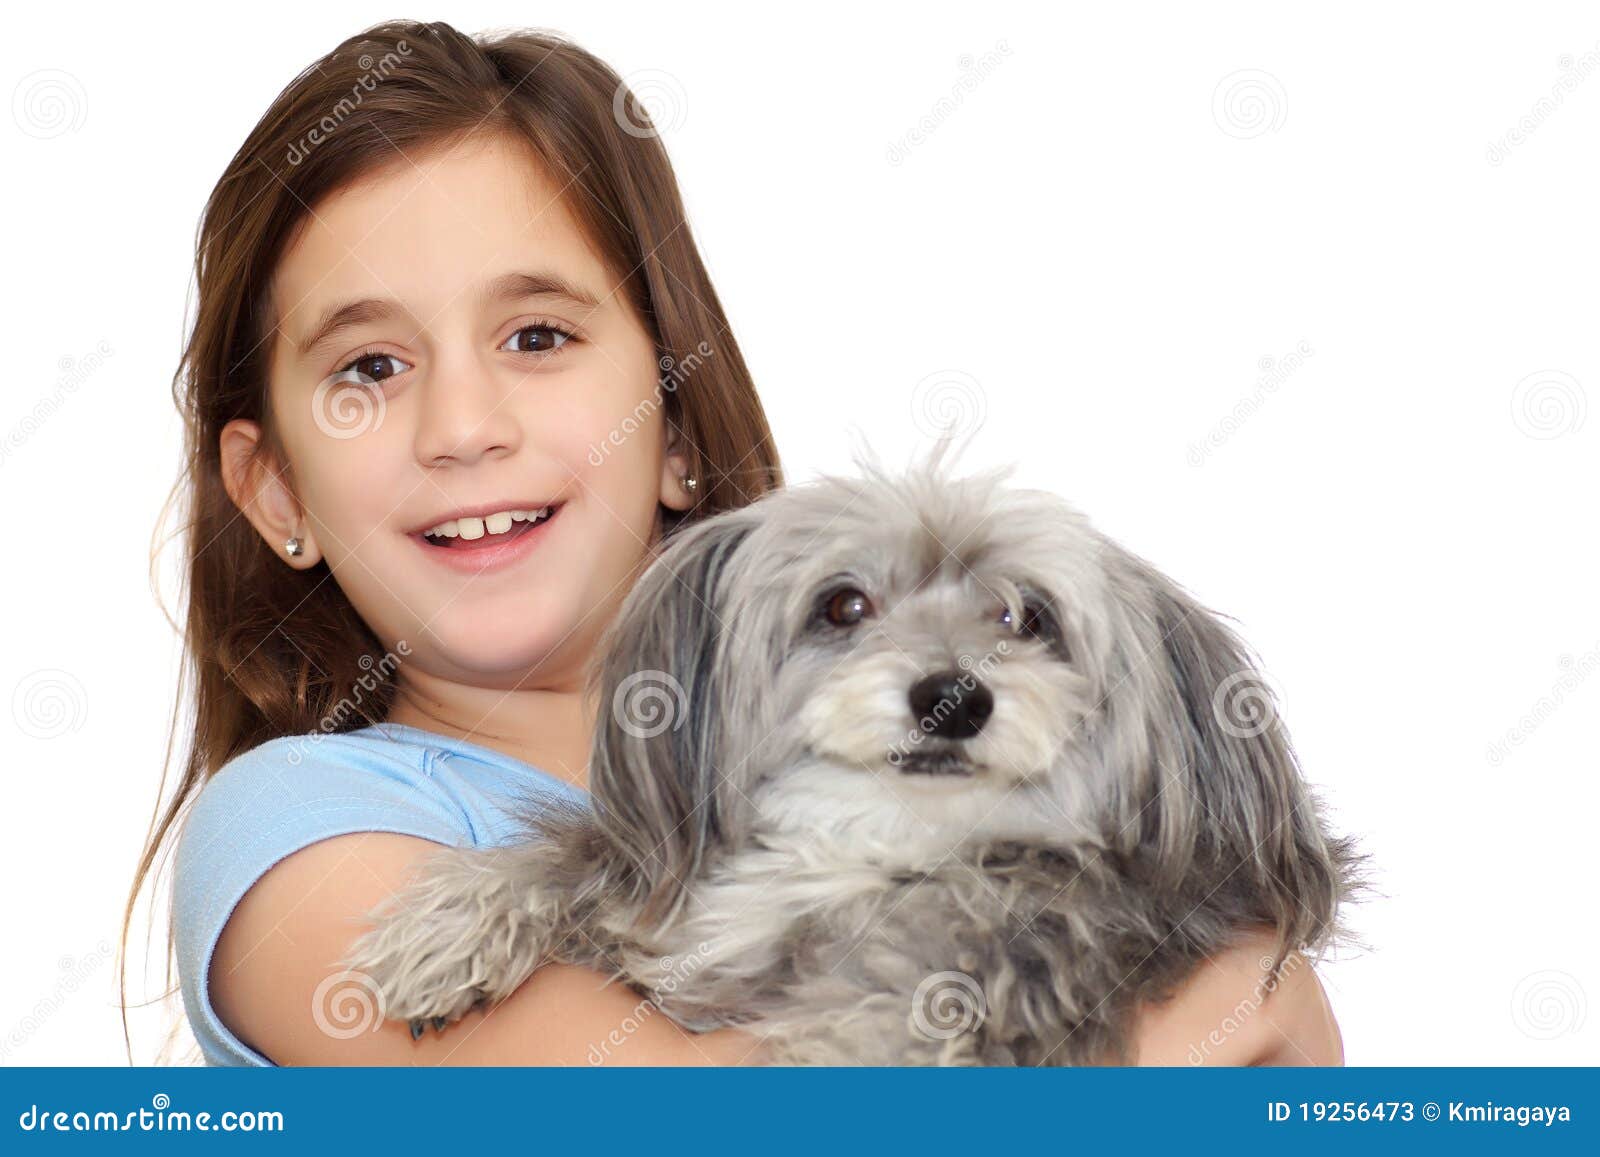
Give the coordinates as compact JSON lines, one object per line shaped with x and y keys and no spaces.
{"x":464,"y":414}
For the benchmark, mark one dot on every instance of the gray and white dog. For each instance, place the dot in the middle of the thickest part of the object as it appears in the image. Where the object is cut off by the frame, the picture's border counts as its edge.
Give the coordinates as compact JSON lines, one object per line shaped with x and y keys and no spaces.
{"x":907,"y":769}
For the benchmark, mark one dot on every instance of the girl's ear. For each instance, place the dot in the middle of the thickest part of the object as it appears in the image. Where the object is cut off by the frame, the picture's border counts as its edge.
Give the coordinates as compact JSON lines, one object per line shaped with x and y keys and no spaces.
{"x":256,"y":483}
{"x":675,"y":493}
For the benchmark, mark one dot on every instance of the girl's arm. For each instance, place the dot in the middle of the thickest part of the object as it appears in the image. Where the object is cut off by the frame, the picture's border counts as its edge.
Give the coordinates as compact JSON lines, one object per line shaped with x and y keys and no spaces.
{"x":289,"y":931}
{"x":1226,"y":1014}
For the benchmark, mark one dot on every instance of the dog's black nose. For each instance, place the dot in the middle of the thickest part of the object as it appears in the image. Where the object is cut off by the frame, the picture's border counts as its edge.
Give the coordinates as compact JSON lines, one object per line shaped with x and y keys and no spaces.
{"x":948,"y":709}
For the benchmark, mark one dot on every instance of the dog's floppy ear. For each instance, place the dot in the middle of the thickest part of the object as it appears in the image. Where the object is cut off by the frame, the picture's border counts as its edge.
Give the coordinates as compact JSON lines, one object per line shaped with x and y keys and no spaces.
{"x":656,"y":768}
{"x":1229,"y":796}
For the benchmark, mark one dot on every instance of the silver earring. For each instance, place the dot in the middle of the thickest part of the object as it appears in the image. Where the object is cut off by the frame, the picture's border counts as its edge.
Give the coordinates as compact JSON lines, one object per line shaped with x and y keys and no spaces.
{"x":294,"y":548}
{"x":690,"y":482}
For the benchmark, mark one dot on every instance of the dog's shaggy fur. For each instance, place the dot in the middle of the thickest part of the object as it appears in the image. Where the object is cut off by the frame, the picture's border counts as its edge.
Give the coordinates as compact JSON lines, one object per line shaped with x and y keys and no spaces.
{"x":905,"y":769}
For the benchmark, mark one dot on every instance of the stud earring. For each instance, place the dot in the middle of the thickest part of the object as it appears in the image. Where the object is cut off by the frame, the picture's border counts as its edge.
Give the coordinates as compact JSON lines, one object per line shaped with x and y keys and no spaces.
{"x":294,"y":548}
{"x":690,"y":482}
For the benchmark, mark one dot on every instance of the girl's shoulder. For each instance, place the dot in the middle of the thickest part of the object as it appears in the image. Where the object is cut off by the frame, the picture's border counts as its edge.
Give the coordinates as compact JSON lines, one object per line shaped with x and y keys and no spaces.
{"x":296,"y":790}
{"x":382,"y":777}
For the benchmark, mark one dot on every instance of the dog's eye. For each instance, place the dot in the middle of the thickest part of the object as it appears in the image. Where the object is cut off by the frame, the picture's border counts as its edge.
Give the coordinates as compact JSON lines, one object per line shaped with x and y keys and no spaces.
{"x":847,"y":607}
{"x":1038,"y":622}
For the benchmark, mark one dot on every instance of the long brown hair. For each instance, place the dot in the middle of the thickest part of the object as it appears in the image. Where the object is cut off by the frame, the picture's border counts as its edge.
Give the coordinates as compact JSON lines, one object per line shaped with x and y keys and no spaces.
{"x":251,"y":621}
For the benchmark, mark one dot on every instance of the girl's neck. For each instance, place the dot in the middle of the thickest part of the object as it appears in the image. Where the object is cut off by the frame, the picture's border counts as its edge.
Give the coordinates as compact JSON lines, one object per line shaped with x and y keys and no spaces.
{"x":549,"y":730}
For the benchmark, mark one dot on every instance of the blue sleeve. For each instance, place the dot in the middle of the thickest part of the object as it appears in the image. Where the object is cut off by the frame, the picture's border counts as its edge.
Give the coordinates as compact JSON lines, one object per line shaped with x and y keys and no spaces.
{"x":263,"y":805}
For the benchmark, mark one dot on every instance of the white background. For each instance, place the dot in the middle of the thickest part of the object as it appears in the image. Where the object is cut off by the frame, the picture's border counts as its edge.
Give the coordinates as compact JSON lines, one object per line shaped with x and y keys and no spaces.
{"x":1094,"y":249}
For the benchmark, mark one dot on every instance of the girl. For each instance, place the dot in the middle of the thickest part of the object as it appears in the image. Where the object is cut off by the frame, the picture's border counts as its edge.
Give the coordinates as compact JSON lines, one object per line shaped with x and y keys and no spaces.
{"x":457,"y":373}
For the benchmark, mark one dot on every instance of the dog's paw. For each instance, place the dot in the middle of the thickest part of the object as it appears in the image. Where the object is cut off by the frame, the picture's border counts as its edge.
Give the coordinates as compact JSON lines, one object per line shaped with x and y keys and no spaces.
{"x":418,"y":979}
{"x":454,"y":939}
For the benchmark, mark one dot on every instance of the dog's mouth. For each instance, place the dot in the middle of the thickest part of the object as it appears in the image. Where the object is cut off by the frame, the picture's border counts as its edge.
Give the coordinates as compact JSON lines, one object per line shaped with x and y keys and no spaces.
{"x":935,"y":763}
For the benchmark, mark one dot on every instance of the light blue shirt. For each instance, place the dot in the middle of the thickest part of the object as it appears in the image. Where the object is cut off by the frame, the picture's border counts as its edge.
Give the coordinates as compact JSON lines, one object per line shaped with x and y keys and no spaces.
{"x":295,"y":790}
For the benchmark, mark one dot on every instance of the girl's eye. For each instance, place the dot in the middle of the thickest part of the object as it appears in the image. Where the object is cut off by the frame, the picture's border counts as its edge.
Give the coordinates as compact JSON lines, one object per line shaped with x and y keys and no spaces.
{"x":537,"y":339}
{"x":848,"y":607}
{"x":369,"y":369}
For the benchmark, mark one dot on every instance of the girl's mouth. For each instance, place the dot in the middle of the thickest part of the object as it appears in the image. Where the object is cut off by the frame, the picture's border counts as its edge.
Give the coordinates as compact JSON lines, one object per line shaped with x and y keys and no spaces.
{"x":488,"y":550}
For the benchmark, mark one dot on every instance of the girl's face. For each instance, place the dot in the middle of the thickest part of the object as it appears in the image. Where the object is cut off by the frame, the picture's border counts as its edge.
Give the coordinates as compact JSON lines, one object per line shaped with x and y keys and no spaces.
{"x":480,"y":357}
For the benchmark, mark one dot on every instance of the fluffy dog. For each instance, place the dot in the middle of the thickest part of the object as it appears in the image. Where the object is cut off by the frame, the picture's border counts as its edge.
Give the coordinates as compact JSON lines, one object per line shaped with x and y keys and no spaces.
{"x":907,"y":769}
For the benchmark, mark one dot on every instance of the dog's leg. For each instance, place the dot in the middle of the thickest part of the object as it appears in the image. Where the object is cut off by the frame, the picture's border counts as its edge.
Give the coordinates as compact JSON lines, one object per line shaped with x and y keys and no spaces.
{"x":471,"y":928}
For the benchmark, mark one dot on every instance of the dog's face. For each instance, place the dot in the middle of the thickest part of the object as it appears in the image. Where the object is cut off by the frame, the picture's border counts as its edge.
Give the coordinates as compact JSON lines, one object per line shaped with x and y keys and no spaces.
{"x":930,"y":655}
{"x":912,"y":661}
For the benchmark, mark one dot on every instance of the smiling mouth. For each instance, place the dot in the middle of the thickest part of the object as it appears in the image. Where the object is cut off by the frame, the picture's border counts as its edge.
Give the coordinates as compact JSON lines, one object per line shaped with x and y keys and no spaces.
{"x":488,"y":540}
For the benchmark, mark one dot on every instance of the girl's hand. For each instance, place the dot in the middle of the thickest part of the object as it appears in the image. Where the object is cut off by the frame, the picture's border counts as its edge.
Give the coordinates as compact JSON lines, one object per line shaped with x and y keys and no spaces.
{"x":1227,"y":1014}
{"x":725,"y":1046}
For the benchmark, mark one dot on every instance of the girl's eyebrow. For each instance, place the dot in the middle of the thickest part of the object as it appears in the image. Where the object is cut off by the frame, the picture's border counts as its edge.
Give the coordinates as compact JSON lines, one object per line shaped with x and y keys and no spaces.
{"x":516,"y":286}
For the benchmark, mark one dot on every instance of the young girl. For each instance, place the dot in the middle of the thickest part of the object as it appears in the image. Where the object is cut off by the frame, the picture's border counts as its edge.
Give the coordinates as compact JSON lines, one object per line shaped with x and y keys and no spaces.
{"x":457,"y":373}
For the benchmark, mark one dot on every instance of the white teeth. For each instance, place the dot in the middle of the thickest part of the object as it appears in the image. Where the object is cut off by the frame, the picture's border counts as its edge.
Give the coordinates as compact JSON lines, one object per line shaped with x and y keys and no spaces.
{"x":474,"y":528}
